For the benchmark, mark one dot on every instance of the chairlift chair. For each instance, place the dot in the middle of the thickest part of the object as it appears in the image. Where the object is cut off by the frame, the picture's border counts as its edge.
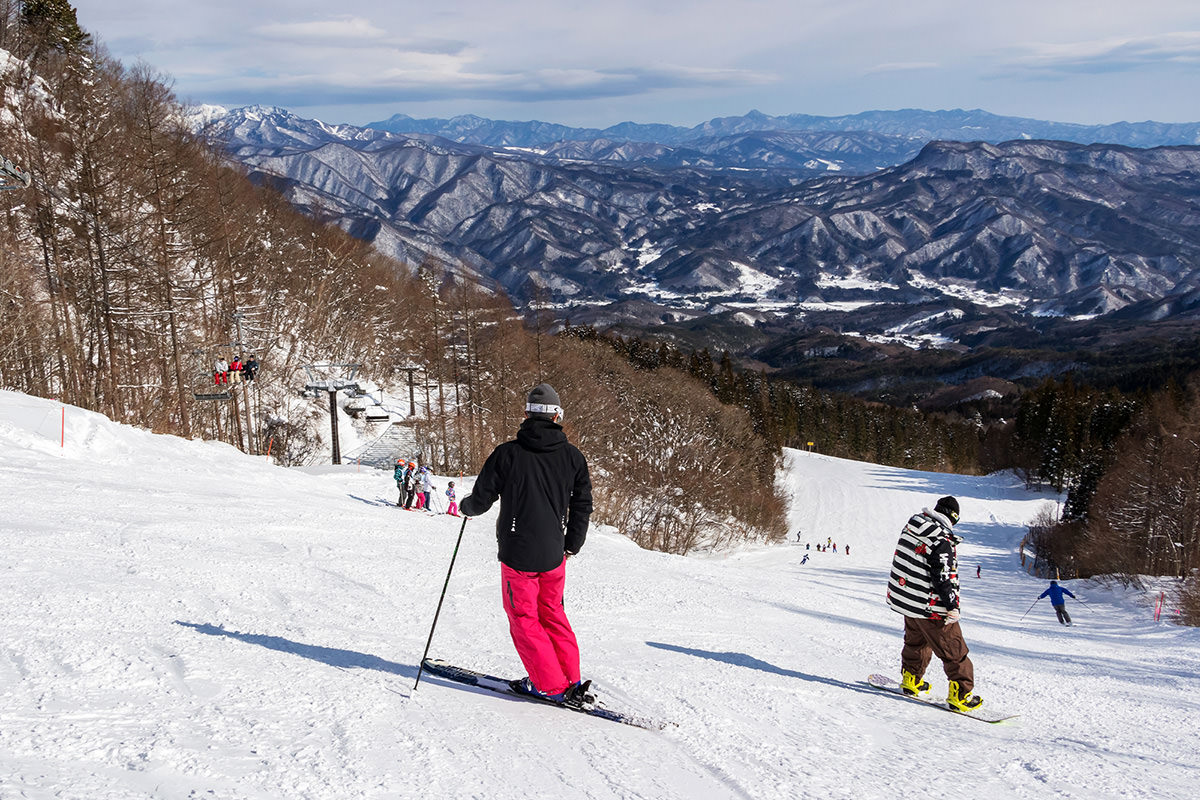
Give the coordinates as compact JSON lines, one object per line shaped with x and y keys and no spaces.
{"x":12,"y":177}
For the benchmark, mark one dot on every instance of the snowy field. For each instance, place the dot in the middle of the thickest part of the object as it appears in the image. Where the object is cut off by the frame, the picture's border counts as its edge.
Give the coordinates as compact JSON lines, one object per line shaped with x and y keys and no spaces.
{"x":184,"y":621}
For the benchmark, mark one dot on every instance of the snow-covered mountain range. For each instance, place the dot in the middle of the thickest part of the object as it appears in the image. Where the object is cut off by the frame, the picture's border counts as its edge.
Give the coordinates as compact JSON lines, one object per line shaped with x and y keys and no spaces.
{"x":1038,"y":227}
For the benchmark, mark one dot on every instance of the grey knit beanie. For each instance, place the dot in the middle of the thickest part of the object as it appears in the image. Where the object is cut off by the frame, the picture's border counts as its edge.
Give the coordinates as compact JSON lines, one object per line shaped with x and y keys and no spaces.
{"x":544,"y":400}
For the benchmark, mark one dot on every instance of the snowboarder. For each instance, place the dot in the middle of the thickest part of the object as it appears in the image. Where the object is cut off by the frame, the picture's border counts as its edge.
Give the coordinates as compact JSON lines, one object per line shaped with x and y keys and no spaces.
{"x":545,"y":495}
{"x":923,"y":587}
{"x":1057,"y":600}
{"x":451,"y":504}
{"x":398,"y":475}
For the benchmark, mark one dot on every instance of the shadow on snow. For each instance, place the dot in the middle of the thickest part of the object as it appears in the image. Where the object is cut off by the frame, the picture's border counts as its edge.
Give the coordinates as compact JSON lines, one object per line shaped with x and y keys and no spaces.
{"x":750,"y":662}
{"x":333,"y":656}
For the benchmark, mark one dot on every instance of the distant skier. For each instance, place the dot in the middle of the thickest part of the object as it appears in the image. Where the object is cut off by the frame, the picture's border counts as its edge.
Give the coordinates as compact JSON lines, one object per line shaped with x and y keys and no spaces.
{"x":451,"y":503}
{"x":804,"y":560}
{"x":847,"y":549}
{"x":398,"y":475}
{"x":545,"y":495}
{"x":410,"y":485}
{"x":1057,"y":600}
{"x":923,"y":587}
{"x":978,"y":570}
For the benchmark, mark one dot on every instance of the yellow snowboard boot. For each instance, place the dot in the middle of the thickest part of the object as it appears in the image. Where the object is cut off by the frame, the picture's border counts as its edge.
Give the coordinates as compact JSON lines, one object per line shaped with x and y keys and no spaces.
{"x":911,"y":686}
{"x":961,"y":702}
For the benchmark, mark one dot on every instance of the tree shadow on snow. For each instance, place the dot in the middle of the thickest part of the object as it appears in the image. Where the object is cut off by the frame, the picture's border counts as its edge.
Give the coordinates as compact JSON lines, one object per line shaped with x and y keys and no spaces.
{"x":334,"y":657}
{"x":750,"y":662}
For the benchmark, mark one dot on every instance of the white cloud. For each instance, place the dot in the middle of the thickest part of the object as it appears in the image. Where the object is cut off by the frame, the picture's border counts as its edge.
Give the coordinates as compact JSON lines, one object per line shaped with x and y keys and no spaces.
{"x":351,"y":28}
{"x":1112,"y":53}
{"x":902,"y":66}
{"x":633,"y":59}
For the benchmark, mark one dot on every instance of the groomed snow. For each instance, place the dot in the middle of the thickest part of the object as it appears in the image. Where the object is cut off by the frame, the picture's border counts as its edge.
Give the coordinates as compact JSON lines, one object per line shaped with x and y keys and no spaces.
{"x":182,"y":620}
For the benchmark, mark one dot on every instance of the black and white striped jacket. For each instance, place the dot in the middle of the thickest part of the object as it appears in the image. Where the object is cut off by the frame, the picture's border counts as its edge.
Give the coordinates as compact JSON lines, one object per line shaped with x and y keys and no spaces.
{"x":924,"y":579}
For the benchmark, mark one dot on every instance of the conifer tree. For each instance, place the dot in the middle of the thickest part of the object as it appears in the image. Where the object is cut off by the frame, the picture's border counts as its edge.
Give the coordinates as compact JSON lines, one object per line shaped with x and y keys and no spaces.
{"x":54,"y":26}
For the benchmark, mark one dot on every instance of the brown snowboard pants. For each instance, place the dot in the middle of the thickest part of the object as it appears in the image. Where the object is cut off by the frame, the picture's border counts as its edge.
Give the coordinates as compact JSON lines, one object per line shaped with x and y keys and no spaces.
{"x":924,"y":638}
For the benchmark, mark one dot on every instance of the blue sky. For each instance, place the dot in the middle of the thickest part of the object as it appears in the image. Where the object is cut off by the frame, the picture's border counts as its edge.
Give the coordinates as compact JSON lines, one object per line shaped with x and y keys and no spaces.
{"x":599,"y":63}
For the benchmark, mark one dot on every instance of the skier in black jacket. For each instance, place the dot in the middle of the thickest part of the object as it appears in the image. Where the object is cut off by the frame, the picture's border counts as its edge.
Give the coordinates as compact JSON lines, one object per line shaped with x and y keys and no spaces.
{"x":545,"y":497}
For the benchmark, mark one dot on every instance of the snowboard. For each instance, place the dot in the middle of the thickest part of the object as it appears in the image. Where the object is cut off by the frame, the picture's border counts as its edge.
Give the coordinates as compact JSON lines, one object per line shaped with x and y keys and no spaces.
{"x":492,"y":683}
{"x":983,"y":713}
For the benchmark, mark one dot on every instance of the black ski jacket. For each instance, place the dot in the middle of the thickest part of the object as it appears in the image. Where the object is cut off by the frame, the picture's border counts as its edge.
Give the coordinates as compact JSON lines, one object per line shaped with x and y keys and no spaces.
{"x":545,"y":496}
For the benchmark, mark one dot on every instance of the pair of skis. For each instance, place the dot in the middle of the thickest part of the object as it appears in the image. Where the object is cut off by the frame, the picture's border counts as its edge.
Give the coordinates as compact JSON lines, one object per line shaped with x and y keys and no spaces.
{"x":492,"y":683}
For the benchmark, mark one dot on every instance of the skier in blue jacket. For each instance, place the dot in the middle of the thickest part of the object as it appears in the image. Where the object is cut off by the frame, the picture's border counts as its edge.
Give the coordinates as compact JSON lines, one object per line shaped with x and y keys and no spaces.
{"x":1056,"y":593}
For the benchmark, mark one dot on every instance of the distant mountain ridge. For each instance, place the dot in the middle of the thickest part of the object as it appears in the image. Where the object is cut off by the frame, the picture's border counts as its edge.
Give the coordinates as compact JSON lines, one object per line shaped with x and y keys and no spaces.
{"x":953,"y":125}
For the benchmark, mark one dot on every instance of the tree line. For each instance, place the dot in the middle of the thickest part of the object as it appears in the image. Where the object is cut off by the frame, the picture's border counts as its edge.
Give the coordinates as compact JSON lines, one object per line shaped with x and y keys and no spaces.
{"x":1130,"y":465}
{"x":787,"y":414}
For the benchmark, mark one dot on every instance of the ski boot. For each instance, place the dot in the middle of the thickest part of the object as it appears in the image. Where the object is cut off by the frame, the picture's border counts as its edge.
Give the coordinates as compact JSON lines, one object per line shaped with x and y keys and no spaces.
{"x":960,"y":702}
{"x":581,"y":696}
{"x":525,"y":686}
{"x":911,"y":686}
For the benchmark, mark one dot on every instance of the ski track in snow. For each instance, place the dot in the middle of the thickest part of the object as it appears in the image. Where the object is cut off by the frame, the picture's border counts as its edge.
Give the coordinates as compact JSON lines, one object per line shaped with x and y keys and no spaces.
{"x":186,"y":621}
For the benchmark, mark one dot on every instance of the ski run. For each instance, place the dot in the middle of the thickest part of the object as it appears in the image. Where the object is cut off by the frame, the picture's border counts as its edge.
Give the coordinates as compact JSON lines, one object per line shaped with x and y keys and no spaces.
{"x":185,"y":621}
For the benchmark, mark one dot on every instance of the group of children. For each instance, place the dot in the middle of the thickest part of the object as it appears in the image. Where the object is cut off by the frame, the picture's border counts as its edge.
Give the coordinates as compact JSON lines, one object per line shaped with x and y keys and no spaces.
{"x":234,"y":371}
{"x":824,"y":548}
{"x":416,"y":487}
{"x":821,"y":548}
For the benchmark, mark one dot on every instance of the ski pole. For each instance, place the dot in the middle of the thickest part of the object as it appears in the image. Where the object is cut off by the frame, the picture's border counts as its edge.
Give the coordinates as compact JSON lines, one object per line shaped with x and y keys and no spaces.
{"x":446,"y":585}
{"x":1035,"y":602}
{"x":1085,"y":605}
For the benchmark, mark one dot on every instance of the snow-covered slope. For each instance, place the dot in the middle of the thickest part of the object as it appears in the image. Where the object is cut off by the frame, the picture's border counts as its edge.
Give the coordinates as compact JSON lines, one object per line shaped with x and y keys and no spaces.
{"x":181,"y":620}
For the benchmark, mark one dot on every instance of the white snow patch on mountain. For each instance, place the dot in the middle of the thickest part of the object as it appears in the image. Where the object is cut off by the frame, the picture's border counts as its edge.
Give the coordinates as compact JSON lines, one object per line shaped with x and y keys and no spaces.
{"x":1008,"y":297}
{"x":754,"y":281}
{"x":854,"y":279}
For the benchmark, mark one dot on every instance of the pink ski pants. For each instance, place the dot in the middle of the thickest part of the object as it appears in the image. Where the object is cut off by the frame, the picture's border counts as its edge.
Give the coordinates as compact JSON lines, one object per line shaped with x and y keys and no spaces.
{"x":539,"y":627}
